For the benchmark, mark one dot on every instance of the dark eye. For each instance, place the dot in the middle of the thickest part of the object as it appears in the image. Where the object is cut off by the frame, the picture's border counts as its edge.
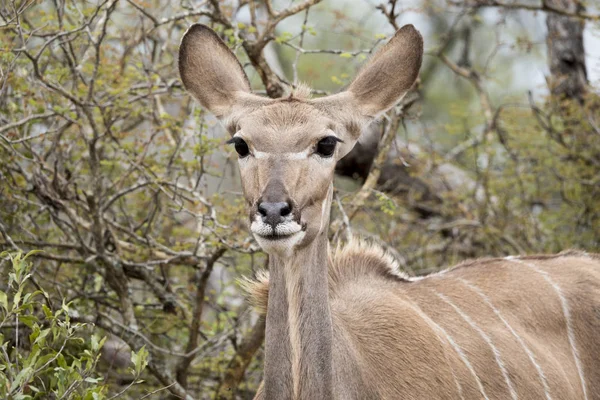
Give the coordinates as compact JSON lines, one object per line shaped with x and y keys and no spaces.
{"x":240,"y":146}
{"x":326,"y":146}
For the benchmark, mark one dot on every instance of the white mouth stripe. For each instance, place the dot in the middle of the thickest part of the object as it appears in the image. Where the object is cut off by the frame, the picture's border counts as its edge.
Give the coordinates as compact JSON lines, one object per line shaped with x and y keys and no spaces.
{"x":567,"y":315}
{"x":439,"y":330}
{"x":488,"y":340}
{"x":512,"y":331}
{"x":285,"y":228}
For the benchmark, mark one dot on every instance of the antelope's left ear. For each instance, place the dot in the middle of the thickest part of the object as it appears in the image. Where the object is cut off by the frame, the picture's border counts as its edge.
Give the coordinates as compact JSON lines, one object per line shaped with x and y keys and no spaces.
{"x":386,"y":78}
{"x":389,"y":74}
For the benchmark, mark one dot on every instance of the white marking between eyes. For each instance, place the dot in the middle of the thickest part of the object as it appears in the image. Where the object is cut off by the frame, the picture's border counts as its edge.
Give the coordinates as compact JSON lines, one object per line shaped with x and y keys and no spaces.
{"x":512,"y":331}
{"x":439,"y":330}
{"x":566,"y":313}
{"x":487,"y":339}
{"x":301,"y":155}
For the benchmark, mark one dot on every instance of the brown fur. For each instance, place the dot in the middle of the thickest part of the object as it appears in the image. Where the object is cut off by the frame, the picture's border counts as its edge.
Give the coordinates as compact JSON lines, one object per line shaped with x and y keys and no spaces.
{"x":360,"y":259}
{"x":348,"y":325}
{"x":373,"y":306}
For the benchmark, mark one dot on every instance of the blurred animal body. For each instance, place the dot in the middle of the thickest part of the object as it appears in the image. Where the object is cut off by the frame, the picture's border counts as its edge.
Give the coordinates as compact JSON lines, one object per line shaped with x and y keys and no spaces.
{"x":347,"y":324}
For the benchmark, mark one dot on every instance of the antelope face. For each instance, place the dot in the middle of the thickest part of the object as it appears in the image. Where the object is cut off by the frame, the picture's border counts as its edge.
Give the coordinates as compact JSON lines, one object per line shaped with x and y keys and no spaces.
{"x":288,"y":148}
{"x":287,"y":153}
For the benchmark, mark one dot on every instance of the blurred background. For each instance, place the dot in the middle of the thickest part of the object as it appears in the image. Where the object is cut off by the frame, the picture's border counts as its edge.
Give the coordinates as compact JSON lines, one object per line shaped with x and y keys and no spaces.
{"x":125,"y":187}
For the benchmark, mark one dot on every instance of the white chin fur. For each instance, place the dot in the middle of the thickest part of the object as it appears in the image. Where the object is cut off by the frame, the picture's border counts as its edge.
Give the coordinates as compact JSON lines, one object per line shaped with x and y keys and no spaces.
{"x":289,"y":234}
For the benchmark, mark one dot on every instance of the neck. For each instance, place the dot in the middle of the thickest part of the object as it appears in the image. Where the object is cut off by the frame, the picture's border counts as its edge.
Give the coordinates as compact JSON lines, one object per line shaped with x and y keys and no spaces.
{"x":298,"y":341}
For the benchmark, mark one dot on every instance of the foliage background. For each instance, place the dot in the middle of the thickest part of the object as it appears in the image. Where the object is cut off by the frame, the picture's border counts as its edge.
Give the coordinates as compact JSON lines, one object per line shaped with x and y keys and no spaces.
{"x":124,"y":182}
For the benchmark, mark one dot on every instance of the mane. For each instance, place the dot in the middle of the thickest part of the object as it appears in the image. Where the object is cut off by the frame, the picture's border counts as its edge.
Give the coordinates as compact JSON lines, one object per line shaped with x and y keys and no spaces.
{"x":257,"y":290}
{"x":351,"y":262}
{"x":301,"y":92}
{"x":359,"y":258}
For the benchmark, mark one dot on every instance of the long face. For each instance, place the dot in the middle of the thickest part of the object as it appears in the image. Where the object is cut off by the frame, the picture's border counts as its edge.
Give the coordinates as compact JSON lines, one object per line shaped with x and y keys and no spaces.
{"x":288,"y":148}
{"x":287,"y":153}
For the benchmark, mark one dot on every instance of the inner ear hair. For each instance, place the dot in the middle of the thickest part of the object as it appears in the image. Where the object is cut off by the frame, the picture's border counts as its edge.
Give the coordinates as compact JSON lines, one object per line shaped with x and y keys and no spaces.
{"x":210,"y":71}
{"x":389,"y":74}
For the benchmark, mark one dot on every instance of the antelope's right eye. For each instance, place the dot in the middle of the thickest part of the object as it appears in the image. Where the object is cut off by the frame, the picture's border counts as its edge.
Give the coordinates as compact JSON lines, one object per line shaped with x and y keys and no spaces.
{"x":240,"y":146}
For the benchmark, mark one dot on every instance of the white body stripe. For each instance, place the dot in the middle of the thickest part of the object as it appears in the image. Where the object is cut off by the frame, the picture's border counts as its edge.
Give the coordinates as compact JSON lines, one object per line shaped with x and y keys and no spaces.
{"x":439,"y":330}
{"x":488,"y":340}
{"x":512,"y":331}
{"x":432,"y":275}
{"x":324,"y":207}
{"x":567,"y":315}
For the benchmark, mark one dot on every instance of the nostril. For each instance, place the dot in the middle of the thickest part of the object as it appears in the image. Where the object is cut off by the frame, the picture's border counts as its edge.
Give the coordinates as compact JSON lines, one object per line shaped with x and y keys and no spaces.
{"x":262,"y":210}
{"x":285,"y":210}
{"x":273,"y":213}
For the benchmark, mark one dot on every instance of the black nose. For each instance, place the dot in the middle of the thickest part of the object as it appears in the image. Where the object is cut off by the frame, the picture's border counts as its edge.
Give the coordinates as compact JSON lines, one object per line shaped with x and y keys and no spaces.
{"x":273,"y":213}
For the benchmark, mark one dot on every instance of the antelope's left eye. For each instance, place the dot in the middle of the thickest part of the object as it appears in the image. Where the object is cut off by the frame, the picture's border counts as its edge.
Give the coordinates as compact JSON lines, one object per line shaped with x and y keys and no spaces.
{"x":240,"y":146}
{"x":326,"y":146}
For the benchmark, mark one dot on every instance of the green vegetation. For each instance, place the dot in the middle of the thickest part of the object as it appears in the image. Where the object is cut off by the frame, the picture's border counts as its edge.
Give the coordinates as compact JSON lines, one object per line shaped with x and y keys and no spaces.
{"x":124,"y":182}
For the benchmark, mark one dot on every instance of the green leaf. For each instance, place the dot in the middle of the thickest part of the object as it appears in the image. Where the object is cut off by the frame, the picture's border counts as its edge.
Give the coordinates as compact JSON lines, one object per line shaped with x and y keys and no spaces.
{"x":44,"y":359}
{"x":139,"y":360}
{"x":346,"y":55}
{"x":28,"y":320}
{"x":32,"y":252}
{"x":20,"y":378}
{"x":17,"y":299}
{"x":42,"y":336}
{"x":33,"y":356}
{"x":47,"y":312}
{"x":3,"y":300}
{"x":97,"y":342}
{"x":61,"y":361}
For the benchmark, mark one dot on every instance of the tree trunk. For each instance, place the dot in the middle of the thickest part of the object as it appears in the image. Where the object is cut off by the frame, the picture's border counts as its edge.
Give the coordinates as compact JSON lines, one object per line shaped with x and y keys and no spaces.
{"x":566,"y":56}
{"x":240,"y":361}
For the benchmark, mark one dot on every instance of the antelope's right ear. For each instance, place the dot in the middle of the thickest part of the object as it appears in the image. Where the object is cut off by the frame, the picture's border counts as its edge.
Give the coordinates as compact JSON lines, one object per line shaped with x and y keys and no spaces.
{"x":210,"y":71}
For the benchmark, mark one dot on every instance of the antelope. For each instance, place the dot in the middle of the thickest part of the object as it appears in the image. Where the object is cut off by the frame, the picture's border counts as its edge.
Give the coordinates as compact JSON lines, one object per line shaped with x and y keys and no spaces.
{"x":346,"y":323}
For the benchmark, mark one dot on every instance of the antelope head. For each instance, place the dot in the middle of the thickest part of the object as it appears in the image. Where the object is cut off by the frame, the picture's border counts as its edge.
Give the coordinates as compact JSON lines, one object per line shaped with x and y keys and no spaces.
{"x":288,"y":147}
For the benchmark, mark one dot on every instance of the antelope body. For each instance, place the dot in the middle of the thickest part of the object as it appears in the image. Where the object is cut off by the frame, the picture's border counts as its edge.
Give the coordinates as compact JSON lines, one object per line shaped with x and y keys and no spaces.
{"x":347,"y":324}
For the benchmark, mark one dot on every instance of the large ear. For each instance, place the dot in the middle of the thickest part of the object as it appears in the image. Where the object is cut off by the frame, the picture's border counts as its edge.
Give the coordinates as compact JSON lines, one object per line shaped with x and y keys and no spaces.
{"x":389,"y":74}
{"x":385,"y":79}
{"x":381,"y":83}
{"x":210,"y":71}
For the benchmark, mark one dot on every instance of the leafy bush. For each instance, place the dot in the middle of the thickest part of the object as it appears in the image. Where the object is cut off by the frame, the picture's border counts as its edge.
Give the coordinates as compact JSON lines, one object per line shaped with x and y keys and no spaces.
{"x":43,"y":353}
{"x":111,"y":168}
